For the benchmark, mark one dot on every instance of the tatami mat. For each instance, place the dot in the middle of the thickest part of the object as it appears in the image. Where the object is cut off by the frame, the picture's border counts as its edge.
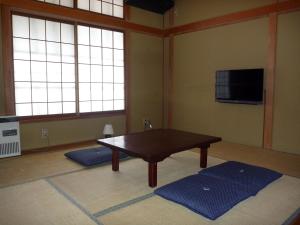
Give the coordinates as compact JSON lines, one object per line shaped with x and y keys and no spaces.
{"x":100,"y":188}
{"x":38,"y":203}
{"x":271,"y":206}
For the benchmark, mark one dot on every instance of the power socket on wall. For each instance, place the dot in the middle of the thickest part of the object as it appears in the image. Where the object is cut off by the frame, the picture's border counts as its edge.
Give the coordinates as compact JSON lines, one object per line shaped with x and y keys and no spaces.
{"x":44,"y":133}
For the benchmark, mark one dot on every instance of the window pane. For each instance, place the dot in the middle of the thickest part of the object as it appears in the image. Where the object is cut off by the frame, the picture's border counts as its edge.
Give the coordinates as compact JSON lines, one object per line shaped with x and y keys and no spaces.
{"x":84,"y":73}
{"x":107,"y":8}
{"x":20,"y":26}
{"x":95,"y":6}
{"x":84,"y":91}
{"x":83,"y":35}
{"x":38,"y":71}
{"x":21,"y":49}
{"x":107,"y":38}
{"x":39,"y":108}
{"x":96,"y":106}
{"x":118,"y":57}
{"x":95,"y":36}
{"x":119,"y":91}
{"x":119,"y":74}
{"x":37,"y":29}
{"x":118,"y":2}
{"x":68,"y":3}
{"x":118,"y":40}
{"x":107,"y":56}
{"x":23,"y":110}
{"x":22,"y":92}
{"x":108,"y":91}
{"x":39,"y":92}
{"x":83,"y":54}
{"x":108,"y":105}
{"x":96,"y":73}
{"x":22,"y":70}
{"x":119,"y":105}
{"x":96,"y":91}
{"x":52,"y":31}
{"x":55,"y":108}
{"x":53,"y":1}
{"x":54,"y":72}
{"x":69,"y":107}
{"x":68,"y":72}
{"x":68,"y":91}
{"x":83,"y":4}
{"x":85,"y":106}
{"x":54,"y":92}
{"x":118,"y":11}
{"x":53,"y":52}
{"x":96,"y":55}
{"x":67,"y":33}
{"x":67,"y":53}
{"x":108,"y":75}
{"x":38,"y":50}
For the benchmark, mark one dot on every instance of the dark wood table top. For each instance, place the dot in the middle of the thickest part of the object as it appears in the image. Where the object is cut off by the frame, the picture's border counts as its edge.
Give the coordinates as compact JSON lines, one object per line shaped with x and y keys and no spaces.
{"x":156,"y":145}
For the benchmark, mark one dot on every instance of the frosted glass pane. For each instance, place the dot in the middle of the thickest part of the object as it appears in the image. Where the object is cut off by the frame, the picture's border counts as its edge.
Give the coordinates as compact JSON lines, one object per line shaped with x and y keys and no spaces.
{"x":95,"y":36}
{"x":21,"y":49}
{"x":53,"y":52}
{"x":118,"y":40}
{"x":69,"y":107}
{"x":107,"y":38}
{"x":96,"y":91}
{"x":22,"y":92}
{"x":52,"y":31}
{"x":39,"y":108}
{"x":68,"y":72}
{"x":84,"y":73}
{"x":39,"y":92}
{"x":67,"y":33}
{"x":118,"y":11}
{"x":21,"y":70}
{"x":107,"y":8}
{"x":119,"y":105}
{"x":68,"y":91}
{"x":55,"y":108}
{"x":38,"y":71}
{"x":38,"y":50}
{"x":119,"y":74}
{"x":83,"y":4}
{"x":95,"y":6}
{"x":23,"y":110}
{"x":108,"y":105}
{"x":96,"y":55}
{"x":68,"y":3}
{"x":96,"y":106}
{"x":118,"y":2}
{"x":107,"y":56}
{"x":109,"y":1}
{"x":67,"y":53}
{"x":108,"y":75}
{"x":96,"y":73}
{"x":83,"y":54}
{"x":54,"y":92}
{"x":118,"y":91}
{"x":108,"y":91}
{"x":54,"y":72}
{"x":53,"y":1}
{"x":118,"y":57}
{"x":37,"y":29}
{"x":20,"y":26}
{"x":83,"y":35}
{"x":85,"y":107}
{"x":84,"y":91}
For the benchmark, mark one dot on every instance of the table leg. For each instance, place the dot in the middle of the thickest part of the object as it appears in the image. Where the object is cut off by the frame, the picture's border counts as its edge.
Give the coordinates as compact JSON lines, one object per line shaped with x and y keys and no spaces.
{"x":115,"y":160}
{"x":203,"y":156}
{"x":152,"y":174}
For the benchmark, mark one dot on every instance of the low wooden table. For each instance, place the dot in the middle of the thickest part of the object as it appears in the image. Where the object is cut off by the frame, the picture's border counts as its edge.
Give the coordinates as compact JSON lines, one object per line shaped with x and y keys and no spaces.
{"x":154,"y":146}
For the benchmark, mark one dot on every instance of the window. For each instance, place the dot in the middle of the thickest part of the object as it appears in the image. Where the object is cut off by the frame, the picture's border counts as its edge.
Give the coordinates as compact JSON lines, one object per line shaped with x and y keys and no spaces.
{"x":50,"y":62}
{"x":67,"y":3}
{"x":107,"y":7}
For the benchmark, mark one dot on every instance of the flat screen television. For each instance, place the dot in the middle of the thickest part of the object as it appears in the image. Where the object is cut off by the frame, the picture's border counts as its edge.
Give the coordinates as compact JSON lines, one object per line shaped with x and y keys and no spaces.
{"x":243,"y":86}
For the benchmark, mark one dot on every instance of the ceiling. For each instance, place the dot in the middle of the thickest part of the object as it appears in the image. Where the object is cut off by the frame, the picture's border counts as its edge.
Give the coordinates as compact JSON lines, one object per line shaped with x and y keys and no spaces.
{"x":157,"y":6}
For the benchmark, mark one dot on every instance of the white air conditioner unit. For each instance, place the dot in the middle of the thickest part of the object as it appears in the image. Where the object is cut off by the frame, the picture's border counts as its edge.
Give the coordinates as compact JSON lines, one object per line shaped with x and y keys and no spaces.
{"x":9,"y":136}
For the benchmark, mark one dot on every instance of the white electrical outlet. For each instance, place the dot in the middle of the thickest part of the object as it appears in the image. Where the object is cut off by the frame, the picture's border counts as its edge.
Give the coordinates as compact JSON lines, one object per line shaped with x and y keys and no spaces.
{"x":44,"y":133}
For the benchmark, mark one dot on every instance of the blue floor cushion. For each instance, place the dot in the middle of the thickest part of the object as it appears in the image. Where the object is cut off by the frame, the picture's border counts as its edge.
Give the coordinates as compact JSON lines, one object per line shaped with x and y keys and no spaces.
{"x":254,"y":178}
{"x":92,"y":156}
{"x":208,"y":196}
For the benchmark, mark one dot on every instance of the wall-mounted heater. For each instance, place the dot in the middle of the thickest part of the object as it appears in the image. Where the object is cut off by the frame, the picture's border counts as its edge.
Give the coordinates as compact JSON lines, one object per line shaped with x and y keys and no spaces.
{"x":9,"y":136}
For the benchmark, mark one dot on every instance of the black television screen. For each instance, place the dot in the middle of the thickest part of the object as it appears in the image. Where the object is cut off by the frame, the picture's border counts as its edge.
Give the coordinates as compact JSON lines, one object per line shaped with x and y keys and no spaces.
{"x":240,"y":86}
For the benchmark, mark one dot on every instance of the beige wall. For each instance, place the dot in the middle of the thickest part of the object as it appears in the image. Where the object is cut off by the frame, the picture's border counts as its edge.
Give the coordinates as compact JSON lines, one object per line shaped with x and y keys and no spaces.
{"x":286,"y":134}
{"x":2,"y":110}
{"x":196,"y":58}
{"x":146,"y":18}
